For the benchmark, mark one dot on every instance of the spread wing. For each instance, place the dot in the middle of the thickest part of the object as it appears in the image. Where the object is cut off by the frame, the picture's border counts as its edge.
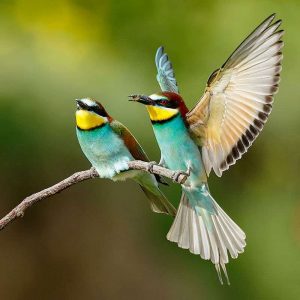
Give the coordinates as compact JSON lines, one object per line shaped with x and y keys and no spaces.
{"x":238,"y":98}
{"x":165,"y":73}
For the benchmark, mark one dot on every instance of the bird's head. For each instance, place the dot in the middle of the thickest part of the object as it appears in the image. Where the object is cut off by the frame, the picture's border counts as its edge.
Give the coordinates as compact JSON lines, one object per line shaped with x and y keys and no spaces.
{"x":90,"y":114}
{"x":162,"y":106}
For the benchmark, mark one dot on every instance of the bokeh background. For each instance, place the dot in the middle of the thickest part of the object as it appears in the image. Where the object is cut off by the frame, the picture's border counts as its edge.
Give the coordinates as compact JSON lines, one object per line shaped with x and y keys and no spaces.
{"x":99,"y":240}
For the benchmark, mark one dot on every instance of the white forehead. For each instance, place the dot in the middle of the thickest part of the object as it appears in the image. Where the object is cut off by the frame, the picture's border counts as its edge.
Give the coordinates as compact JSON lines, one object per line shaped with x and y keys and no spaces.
{"x":88,"y":102}
{"x":157,"y":97}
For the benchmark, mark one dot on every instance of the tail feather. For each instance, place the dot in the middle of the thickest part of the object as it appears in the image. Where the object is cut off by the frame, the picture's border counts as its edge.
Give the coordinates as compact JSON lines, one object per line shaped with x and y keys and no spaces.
{"x":222,"y":248}
{"x":218,"y":269}
{"x":175,"y":229}
{"x":225,"y":272}
{"x":209,"y":235}
{"x":158,"y":202}
{"x":184,"y":237}
{"x":204,"y":242}
{"x":239,"y":232}
{"x":194,"y":233}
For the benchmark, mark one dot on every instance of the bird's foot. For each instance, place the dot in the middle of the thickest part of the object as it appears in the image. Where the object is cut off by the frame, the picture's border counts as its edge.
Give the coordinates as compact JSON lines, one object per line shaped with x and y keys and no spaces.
{"x":182,"y":174}
{"x":150,"y":166}
{"x":180,"y":177}
{"x":188,"y":171}
{"x":94,"y":172}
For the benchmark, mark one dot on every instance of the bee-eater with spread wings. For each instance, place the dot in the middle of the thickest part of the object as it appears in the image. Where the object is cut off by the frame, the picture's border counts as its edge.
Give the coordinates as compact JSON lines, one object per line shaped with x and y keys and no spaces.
{"x":221,"y":127}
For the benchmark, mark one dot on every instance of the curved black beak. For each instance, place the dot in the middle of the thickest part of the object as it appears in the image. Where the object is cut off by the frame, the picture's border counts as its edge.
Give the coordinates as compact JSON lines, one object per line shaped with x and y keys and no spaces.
{"x":80,"y":104}
{"x":141,"y":99}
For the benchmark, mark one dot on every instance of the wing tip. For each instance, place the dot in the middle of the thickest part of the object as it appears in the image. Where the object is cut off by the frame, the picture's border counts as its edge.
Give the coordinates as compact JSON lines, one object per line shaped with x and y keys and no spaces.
{"x":161,"y":57}
{"x":161,"y":48}
{"x":159,"y":52}
{"x":273,"y":15}
{"x":158,"y":55}
{"x":270,"y":18}
{"x":278,"y":22}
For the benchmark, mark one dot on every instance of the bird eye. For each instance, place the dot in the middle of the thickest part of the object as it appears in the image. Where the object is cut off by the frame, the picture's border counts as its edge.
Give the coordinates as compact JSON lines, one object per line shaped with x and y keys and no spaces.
{"x":164,"y":102}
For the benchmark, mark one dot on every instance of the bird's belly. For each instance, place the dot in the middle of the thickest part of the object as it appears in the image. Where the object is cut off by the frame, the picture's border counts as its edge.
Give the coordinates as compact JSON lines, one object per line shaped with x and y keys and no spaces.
{"x":181,"y":156}
{"x":179,"y":151}
{"x":106,"y":152}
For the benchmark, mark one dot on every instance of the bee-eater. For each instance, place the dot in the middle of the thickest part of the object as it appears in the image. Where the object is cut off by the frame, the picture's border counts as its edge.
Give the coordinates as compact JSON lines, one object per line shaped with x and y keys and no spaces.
{"x":109,"y":146}
{"x":213,"y":135}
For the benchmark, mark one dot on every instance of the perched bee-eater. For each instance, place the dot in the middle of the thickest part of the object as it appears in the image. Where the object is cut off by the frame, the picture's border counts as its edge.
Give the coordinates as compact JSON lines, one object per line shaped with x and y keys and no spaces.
{"x":213,"y":135}
{"x":109,"y":146}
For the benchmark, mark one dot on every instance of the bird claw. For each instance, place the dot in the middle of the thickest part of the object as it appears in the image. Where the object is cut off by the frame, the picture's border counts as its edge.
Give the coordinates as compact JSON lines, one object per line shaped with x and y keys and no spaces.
{"x":150,"y":166}
{"x":188,"y":171}
{"x":177,"y":175}
{"x":94,"y":172}
{"x":185,"y":175}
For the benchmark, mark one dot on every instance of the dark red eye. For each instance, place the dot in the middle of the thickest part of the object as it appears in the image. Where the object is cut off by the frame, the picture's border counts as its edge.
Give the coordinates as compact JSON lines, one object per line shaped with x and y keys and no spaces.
{"x":164,"y":102}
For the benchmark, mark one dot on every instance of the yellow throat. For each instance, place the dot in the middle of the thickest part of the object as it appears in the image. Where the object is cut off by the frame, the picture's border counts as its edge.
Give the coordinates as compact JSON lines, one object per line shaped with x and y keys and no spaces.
{"x":87,"y":120}
{"x":161,"y":114}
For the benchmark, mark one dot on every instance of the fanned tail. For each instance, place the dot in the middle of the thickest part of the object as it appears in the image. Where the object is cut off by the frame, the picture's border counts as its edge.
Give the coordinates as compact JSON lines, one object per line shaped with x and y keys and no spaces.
{"x":210,"y":234}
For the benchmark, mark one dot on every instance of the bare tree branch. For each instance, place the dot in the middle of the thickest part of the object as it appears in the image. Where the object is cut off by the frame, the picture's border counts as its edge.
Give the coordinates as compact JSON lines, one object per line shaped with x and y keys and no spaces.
{"x":177,"y":176}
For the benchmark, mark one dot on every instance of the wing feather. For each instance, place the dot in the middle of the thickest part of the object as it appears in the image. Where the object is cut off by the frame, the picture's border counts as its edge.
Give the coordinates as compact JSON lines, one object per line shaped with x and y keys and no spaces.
{"x":132,"y":144}
{"x":129,"y":140}
{"x":165,"y":73}
{"x":238,"y":98}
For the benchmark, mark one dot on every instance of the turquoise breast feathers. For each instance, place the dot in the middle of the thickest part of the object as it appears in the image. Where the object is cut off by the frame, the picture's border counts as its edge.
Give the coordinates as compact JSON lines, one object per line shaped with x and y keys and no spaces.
{"x":105,"y":150}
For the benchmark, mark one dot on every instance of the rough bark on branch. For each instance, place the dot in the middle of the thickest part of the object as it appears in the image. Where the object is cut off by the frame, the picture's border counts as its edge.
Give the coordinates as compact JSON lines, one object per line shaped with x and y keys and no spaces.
{"x":177,"y":176}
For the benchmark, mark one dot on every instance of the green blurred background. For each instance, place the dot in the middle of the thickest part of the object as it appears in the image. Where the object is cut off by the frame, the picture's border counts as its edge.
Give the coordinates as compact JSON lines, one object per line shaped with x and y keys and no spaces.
{"x":99,"y":240}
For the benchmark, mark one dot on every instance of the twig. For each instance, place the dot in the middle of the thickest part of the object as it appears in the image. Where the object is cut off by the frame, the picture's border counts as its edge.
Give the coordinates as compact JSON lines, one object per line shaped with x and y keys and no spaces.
{"x":19,"y":210}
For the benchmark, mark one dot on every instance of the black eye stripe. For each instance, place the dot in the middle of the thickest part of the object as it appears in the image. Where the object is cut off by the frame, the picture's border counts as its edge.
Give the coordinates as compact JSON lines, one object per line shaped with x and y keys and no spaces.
{"x":99,"y":110}
{"x":166,"y":103}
